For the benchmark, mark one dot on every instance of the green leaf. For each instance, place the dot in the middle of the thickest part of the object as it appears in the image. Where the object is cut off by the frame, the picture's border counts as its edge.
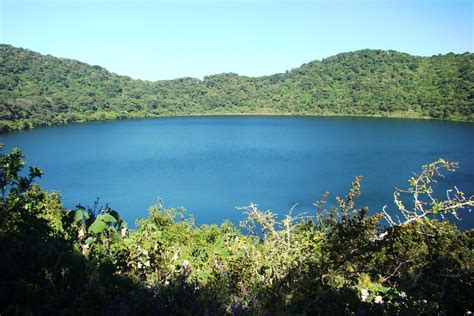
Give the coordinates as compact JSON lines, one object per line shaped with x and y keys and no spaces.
{"x":35,"y":172}
{"x":116,"y":236}
{"x":107,"y":218}
{"x":77,"y":216}
{"x":224,"y":253}
{"x":97,"y":227}
{"x":221,"y":248}
{"x":115,"y":214}
{"x":204,"y":276}
{"x":381,"y":288}
{"x":76,"y":248}
{"x":219,"y":243}
{"x":90,"y":240}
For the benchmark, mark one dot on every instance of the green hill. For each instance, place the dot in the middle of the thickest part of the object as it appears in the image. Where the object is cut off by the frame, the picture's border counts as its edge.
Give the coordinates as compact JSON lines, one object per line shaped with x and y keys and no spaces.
{"x":37,"y":90}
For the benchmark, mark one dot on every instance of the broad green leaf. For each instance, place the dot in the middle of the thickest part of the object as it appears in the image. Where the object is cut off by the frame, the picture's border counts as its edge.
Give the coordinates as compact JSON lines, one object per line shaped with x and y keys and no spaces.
{"x":76,"y":248}
{"x":77,"y":216}
{"x":221,"y":248}
{"x":382,"y":288}
{"x":204,"y":275}
{"x":90,"y":240}
{"x":219,"y":243}
{"x":224,"y":253}
{"x":107,"y":218}
{"x":97,"y":227}
{"x":115,"y":214}
{"x":116,"y":236}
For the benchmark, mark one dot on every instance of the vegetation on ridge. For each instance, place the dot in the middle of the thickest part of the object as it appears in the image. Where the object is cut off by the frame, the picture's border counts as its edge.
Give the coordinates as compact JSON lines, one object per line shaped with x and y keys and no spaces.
{"x":337,"y":260}
{"x":38,"y":90}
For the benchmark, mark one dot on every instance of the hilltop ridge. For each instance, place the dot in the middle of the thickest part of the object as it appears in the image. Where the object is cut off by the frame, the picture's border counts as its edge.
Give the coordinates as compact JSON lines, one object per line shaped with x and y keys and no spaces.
{"x":39,"y":90}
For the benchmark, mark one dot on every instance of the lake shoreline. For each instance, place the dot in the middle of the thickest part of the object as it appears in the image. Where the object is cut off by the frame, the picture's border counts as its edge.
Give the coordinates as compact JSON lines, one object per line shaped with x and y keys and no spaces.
{"x":217,"y":114}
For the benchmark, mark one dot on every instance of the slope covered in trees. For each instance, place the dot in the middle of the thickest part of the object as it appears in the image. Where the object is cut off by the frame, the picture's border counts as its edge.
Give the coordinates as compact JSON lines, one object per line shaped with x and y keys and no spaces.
{"x":41,"y":90}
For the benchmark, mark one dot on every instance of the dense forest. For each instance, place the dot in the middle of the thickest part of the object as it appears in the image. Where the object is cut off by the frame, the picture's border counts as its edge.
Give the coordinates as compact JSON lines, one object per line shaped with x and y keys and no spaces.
{"x":336,"y":260}
{"x":37,"y":90}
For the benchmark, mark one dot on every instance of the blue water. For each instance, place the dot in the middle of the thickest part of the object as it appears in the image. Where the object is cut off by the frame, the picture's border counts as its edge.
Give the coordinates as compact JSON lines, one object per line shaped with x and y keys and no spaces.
{"x":210,"y":165}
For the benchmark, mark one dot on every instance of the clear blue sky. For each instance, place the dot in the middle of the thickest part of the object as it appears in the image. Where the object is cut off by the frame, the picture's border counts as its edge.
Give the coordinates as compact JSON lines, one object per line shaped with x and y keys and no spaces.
{"x":154,"y":40}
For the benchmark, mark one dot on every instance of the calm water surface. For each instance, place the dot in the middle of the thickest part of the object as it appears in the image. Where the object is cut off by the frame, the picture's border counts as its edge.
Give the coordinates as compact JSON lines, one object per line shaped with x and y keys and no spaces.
{"x":210,"y":165}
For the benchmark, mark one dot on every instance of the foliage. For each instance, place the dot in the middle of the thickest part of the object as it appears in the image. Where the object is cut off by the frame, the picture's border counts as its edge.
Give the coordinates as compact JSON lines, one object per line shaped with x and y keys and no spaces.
{"x":337,"y":260}
{"x":425,"y":203}
{"x":37,"y":90}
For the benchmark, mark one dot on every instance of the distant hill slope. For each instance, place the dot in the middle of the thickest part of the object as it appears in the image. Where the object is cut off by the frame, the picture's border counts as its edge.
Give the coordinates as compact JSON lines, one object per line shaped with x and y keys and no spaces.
{"x":38,"y":90}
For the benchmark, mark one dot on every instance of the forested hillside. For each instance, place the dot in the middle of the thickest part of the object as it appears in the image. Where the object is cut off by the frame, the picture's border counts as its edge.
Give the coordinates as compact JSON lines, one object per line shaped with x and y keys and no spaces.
{"x":39,"y":90}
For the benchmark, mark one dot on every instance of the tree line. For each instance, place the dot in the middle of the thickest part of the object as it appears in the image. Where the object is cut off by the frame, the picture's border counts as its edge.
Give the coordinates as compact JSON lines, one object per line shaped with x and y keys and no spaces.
{"x":39,"y":90}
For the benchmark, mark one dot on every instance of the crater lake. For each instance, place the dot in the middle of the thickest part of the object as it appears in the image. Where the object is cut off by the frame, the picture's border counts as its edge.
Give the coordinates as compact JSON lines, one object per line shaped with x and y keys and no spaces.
{"x":212,"y":164}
